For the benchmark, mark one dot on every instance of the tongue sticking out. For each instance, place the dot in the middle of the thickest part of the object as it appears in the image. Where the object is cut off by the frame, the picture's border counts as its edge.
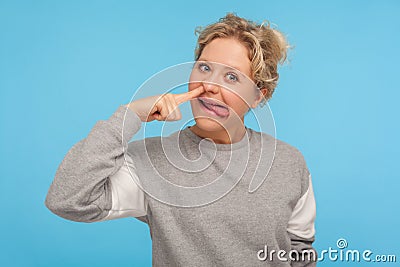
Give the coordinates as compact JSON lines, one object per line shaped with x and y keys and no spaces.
{"x":218,"y":110}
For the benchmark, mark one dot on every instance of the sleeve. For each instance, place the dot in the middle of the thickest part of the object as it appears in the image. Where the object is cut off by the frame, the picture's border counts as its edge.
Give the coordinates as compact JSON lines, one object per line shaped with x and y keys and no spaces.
{"x":94,"y":181}
{"x":128,"y":199}
{"x":301,"y":227}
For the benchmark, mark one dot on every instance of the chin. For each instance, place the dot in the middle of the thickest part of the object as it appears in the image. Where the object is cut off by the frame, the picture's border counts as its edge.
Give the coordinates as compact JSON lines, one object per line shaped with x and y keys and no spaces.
{"x":208,"y":124}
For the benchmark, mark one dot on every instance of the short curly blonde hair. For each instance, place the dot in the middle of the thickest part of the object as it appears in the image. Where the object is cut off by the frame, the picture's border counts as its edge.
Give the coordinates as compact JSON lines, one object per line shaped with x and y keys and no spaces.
{"x":267,"y":47}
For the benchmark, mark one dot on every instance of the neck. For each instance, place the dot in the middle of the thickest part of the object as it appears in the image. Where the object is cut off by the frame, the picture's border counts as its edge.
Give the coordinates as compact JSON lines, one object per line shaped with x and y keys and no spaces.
{"x":223,"y":136}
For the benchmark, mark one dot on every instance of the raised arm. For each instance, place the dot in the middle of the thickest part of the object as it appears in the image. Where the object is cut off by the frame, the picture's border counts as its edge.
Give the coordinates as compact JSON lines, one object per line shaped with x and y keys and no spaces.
{"x":93,"y":170}
{"x":95,"y":180}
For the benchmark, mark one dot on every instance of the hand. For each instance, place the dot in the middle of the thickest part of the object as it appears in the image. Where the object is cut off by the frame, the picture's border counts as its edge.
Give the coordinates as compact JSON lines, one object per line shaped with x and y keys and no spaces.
{"x":163,"y":107}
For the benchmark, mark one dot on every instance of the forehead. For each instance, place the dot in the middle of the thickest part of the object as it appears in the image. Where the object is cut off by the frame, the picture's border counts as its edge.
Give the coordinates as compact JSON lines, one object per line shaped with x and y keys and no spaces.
{"x":229,"y":52}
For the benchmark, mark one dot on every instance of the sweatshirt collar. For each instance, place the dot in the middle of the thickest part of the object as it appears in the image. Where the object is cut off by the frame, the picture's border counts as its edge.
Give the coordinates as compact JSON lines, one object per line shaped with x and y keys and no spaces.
{"x":246,"y":139}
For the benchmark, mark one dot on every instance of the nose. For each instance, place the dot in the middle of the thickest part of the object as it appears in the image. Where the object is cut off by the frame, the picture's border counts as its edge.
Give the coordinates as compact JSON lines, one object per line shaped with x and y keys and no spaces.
{"x":211,"y":87}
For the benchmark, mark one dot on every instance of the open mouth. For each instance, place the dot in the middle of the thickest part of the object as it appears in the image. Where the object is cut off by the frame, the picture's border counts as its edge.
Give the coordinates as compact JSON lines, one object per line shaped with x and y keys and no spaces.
{"x":212,"y":107}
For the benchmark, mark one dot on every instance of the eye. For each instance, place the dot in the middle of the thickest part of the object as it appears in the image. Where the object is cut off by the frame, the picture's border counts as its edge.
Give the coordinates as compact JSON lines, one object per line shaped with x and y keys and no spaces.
{"x":204,"y":67}
{"x":232,"y":77}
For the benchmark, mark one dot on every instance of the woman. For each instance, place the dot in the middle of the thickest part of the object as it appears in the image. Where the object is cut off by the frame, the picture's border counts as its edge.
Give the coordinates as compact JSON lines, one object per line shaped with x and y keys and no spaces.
{"x":272,"y":225}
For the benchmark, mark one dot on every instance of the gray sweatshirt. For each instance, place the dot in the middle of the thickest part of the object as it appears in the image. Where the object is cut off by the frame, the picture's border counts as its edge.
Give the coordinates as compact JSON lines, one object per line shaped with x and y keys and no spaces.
{"x":105,"y":177}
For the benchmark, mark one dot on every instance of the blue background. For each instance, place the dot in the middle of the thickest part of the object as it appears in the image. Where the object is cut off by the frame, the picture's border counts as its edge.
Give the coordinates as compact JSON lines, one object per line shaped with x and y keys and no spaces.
{"x":66,"y":64}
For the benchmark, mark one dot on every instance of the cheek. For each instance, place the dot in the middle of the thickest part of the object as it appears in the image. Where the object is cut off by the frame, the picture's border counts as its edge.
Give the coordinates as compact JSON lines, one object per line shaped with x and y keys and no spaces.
{"x":237,"y":103}
{"x":242,"y":95}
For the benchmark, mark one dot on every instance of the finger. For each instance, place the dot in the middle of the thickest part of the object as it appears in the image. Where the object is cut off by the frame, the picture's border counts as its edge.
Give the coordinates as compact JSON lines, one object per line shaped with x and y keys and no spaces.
{"x":180,"y":98}
{"x":164,"y":109}
{"x":169,"y":102}
{"x":156,"y":116}
{"x":176,"y":113}
{"x":152,"y":114}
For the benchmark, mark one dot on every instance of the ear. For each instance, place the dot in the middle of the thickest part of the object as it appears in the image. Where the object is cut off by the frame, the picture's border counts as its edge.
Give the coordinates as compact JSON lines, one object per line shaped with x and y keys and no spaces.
{"x":261,"y":93}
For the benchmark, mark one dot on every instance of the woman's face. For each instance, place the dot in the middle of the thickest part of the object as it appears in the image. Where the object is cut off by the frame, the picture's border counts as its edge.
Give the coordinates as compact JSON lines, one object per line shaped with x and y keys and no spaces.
{"x":223,"y":69}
